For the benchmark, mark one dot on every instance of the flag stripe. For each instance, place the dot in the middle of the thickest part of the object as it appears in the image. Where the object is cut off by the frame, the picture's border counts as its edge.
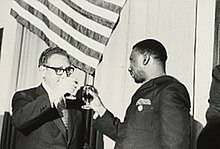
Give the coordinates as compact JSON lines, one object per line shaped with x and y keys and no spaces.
{"x":32,"y":28}
{"x":73,"y":26}
{"x":117,"y":7}
{"x":84,"y":20}
{"x":80,"y":27}
{"x":63,"y":34}
{"x":94,"y":12}
{"x":91,"y":33}
{"x":56,"y":38}
{"x":90,"y":42}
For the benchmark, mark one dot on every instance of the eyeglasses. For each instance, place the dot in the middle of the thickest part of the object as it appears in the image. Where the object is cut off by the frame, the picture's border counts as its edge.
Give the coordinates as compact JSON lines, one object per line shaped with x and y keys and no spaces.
{"x":59,"y":71}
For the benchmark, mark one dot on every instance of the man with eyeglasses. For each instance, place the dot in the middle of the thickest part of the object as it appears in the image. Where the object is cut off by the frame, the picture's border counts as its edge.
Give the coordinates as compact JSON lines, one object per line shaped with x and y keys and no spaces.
{"x":43,"y":116}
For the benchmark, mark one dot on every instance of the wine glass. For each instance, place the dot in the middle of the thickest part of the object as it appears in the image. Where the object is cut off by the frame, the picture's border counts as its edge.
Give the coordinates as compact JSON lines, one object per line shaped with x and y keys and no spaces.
{"x":86,"y":96}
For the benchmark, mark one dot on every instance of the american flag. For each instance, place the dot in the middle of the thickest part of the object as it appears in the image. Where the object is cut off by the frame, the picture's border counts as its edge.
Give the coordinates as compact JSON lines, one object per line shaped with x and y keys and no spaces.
{"x":81,"y":27}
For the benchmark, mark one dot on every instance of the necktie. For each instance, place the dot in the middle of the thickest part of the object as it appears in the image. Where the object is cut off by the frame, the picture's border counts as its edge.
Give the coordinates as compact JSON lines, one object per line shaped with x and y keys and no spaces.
{"x":63,"y":113}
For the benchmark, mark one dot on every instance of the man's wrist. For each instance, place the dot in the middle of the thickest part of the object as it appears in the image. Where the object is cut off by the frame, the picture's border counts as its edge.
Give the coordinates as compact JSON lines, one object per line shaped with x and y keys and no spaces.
{"x":101,"y":111}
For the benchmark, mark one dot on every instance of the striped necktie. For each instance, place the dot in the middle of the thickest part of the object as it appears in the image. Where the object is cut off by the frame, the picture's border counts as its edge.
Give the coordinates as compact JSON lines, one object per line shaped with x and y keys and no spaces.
{"x":63,"y":113}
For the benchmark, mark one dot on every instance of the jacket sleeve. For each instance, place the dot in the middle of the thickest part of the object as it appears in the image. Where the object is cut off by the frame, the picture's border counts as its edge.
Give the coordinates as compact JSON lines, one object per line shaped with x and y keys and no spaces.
{"x":213,"y":112}
{"x":175,"y":117}
{"x":29,"y":112}
{"x":108,"y":124}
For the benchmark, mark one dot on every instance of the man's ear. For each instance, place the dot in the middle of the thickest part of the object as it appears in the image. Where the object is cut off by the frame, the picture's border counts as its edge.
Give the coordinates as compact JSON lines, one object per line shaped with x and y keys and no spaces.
{"x":42,"y":71}
{"x":146,"y":59}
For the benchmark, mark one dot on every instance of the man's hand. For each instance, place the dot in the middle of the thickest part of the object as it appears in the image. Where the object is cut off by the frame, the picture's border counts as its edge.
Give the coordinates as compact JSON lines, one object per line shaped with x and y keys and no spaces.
{"x":96,"y":104}
{"x":64,"y":86}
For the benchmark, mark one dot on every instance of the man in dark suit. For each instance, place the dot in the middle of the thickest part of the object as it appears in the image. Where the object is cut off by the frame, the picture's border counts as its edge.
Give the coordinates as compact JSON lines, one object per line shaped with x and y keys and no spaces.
{"x":43,"y":115}
{"x":210,"y":135}
{"x":158,"y":116}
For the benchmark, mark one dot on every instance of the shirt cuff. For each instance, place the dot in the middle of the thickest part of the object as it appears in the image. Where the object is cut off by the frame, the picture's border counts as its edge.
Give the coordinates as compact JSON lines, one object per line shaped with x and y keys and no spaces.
{"x":96,"y":114}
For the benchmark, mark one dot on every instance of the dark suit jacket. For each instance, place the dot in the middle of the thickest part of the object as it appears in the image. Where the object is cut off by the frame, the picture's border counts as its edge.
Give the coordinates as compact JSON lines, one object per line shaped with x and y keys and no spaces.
{"x":163,"y":123}
{"x":209,"y":136}
{"x":40,"y":126}
{"x":213,"y":112}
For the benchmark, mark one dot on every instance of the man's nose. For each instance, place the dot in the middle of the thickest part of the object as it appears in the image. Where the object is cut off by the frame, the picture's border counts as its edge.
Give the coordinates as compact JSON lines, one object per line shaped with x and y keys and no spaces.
{"x":64,"y":75}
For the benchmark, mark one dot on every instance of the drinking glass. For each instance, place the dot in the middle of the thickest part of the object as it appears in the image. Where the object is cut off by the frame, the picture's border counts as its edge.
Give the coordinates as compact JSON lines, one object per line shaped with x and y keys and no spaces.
{"x":86,"y":96}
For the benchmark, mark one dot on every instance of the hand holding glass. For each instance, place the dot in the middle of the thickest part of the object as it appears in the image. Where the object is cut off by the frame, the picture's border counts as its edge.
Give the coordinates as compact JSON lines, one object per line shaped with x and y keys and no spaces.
{"x":86,"y":96}
{"x":71,"y":95}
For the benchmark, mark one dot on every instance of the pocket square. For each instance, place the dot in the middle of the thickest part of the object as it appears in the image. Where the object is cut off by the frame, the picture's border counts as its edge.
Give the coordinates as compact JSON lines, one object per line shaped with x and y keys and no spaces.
{"x":143,"y":101}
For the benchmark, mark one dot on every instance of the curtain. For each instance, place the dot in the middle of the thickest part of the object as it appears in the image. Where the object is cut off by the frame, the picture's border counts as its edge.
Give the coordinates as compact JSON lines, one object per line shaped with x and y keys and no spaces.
{"x":8,"y":133}
{"x":27,"y":63}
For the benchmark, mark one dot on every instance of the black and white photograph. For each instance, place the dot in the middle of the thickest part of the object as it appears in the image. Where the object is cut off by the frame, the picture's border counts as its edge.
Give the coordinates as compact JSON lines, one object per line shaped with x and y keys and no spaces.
{"x":110,"y":74}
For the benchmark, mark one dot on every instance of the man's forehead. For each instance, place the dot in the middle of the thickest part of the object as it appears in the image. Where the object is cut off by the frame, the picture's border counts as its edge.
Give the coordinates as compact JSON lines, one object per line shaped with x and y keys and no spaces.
{"x":55,"y":57}
{"x":134,"y":53}
{"x":58,"y":59}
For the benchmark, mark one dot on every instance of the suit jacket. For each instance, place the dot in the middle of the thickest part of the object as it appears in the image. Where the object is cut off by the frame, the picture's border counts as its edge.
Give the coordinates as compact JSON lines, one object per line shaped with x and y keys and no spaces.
{"x":162,"y":122}
{"x":213,"y":112}
{"x":209,"y":136}
{"x":40,"y":126}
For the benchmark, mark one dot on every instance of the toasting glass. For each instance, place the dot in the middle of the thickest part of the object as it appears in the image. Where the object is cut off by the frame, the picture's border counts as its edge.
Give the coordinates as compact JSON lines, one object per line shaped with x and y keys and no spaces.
{"x":86,"y":96}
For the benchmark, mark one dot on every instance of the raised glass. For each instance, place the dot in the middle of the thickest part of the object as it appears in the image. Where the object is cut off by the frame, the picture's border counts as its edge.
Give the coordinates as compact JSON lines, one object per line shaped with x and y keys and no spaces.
{"x":86,"y":96}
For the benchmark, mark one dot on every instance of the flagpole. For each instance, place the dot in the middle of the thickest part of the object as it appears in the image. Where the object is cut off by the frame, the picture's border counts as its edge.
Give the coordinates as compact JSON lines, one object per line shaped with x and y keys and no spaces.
{"x":19,"y":57}
{"x":91,"y":136}
{"x":86,"y":143}
{"x":93,"y":133}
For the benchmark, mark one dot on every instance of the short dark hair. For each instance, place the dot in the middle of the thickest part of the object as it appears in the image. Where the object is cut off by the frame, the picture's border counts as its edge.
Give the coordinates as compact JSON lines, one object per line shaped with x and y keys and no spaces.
{"x":153,"y":47}
{"x":46,"y":54}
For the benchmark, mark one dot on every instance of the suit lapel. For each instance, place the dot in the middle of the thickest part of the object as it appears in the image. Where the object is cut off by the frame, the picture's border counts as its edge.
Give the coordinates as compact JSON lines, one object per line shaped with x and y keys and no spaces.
{"x":72,"y":121}
{"x":61,"y":126}
{"x":40,"y":90}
